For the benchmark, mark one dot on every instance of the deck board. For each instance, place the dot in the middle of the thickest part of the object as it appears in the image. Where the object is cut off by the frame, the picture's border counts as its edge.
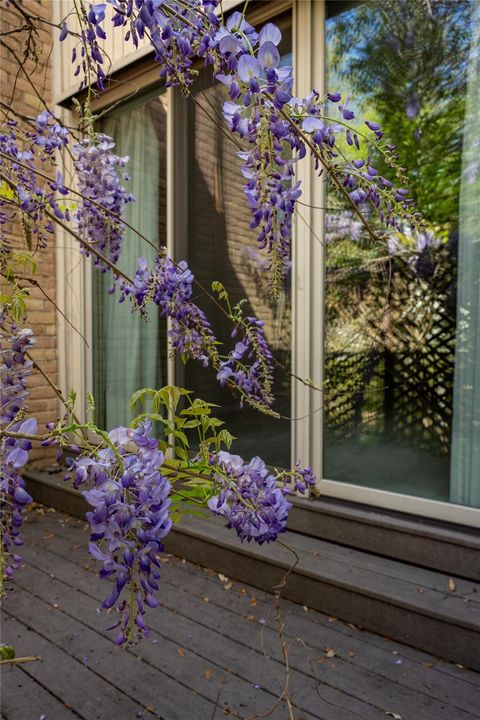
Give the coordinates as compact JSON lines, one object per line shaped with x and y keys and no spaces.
{"x":205,"y":657}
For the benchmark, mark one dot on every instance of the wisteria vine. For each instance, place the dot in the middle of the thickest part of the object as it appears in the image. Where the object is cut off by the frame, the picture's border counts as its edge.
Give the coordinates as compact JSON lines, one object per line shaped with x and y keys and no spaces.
{"x":136,"y":484}
{"x":262,"y":111}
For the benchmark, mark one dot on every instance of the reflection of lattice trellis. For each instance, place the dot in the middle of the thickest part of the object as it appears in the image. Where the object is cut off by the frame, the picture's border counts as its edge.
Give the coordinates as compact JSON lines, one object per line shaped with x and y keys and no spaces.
{"x":402,"y":387}
{"x":355,"y":401}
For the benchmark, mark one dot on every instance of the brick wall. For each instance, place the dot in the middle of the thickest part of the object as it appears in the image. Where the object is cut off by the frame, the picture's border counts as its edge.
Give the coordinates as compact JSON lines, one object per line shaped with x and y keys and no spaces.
{"x":21,"y":91}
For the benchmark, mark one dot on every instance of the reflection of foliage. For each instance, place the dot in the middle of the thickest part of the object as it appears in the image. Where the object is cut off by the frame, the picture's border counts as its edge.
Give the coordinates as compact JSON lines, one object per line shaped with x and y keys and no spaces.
{"x":390,"y":342}
{"x":408,"y":59}
{"x":390,"y":309}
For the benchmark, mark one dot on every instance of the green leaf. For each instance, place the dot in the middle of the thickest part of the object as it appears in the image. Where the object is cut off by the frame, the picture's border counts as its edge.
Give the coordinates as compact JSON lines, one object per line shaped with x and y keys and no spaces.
{"x":169,"y":396}
{"x":6,"y":191}
{"x":7,"y":652}
{"x":139,"y":394}
{"x":181,"y":436}
{"x":181,"y":453}
{"x":220,"y":290}
{"x":226,"y":438}
{"x":191,"y":424}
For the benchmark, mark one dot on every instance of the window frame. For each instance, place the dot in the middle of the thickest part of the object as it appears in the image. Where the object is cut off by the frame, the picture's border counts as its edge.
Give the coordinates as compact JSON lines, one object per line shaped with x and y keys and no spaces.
{"x":74,"y":284}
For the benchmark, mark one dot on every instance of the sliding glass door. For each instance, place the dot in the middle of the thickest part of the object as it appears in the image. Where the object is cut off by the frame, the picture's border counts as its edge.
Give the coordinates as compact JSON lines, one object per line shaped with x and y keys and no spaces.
{"x":402,"y":347}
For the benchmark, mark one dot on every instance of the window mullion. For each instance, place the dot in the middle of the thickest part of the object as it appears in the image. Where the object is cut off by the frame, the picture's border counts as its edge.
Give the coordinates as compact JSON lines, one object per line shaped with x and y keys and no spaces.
{"x":308,"y":255}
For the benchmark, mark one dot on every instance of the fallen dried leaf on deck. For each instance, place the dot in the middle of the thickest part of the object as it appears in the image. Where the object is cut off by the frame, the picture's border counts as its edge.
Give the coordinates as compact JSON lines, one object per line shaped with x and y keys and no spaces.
{"x":305,"y":608}
{"x":181,"y":652}
{"x":452,"y":585}
{"x":205,"y":599}
{"x":253,"y":601}
{"x":250,"y":618}
{"x":228,"y":585}
{"x":395,"y":716}
{"x":329,"y":652}
{"x":223,"y":578}
{"x":208,"y":674}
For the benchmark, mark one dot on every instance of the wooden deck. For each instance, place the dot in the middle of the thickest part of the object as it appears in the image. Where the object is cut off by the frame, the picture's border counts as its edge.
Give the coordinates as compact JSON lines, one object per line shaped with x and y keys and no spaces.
{"x":213,"y":652}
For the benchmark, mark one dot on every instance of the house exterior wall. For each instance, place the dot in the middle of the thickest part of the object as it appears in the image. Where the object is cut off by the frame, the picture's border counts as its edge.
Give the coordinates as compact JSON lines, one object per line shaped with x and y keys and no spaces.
{"x":23,"y":89}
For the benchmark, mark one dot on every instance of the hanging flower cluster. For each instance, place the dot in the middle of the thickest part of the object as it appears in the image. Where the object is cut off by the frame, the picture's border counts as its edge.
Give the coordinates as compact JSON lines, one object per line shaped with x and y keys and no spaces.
{"x":87,"y":56}
{"x":99,"y":211}
{"x":249,"y":365}
{"x":13,"y":496}
{"x":178,"y":31}
{"x":23,"y":193}
{"x":302,"y":479}
{"x":129,"y":520}
{"x":169,"y":286}
{"x":277,"y":125}
{"x":15,"y":367}
{"x":248,"y":497}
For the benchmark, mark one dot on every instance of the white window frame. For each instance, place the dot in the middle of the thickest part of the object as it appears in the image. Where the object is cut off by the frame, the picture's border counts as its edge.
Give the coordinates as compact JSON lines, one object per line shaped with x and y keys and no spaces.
{"x":74,"y":284}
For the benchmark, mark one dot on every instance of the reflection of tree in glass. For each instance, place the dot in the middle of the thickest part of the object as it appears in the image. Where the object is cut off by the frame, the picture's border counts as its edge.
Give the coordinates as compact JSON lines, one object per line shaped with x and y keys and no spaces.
{"x":390,"y":309}
{"x":408,"y":60}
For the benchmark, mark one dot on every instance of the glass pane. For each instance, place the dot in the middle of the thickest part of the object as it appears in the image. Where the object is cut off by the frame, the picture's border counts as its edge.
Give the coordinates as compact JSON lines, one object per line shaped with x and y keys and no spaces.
{"x":394,"y":312}
{"x":221,"y":247}
{"x":130,"y":353}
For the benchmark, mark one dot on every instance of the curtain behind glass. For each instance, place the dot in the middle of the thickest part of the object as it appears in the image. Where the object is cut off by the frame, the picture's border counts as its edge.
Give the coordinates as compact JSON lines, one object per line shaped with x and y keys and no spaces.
{"x":465,"y":467}
{"x":129,"y":352}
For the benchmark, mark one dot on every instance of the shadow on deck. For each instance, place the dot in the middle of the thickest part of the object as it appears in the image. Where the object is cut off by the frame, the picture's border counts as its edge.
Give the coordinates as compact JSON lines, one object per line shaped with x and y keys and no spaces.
{"x":213,"y":652}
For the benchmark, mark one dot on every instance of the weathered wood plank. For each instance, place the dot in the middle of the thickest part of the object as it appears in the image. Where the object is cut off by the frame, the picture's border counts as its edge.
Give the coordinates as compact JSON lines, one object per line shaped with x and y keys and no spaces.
{"x":203,"y":653}
{"x":416,"y":672}
{"x":198,"y":672}
{"x":70,"y":680}
{"x":23,"y":697}
{"x":72,"y":528}
{"x":336,"y":673}
{"x":343,"y":567}
{"x":140,"y":682}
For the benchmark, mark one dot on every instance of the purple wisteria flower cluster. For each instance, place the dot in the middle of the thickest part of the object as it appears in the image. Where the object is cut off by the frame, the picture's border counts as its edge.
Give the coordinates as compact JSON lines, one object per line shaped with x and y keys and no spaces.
{"x":170,"y":287}
{"x":24,"y":193}
{"x":178,"y":31}
{"x":248,"y":497}
{"x":129,"y":520}
{"x":15,"y":367}
{"x":87,"y":56}
{"x":255,"y":377}
{"x":248,"y":367}
{"x":99,"y":211}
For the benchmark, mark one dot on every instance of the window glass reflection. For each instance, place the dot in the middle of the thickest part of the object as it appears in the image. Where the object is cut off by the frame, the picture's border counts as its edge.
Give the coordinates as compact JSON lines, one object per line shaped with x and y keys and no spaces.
{"x":221,"y":246}
{"x":393,"y":310}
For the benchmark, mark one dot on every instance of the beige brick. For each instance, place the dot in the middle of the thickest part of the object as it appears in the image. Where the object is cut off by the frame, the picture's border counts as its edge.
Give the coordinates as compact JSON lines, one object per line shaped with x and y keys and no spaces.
{"x":41,"y":312}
